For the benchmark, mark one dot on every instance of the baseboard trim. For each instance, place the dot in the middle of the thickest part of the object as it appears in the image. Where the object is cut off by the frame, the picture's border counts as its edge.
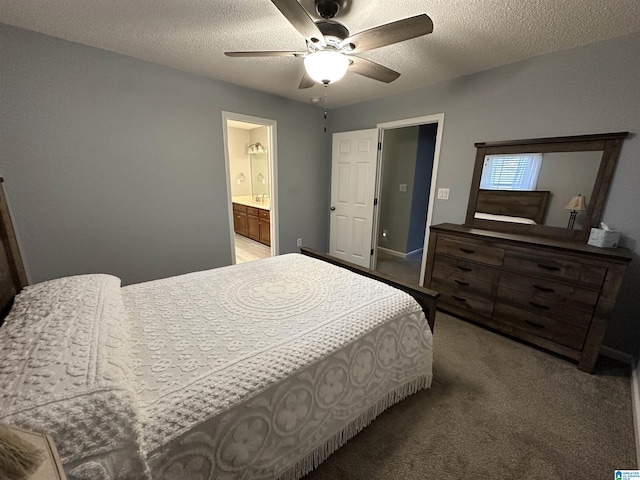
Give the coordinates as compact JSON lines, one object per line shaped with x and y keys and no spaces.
{"x":616,"y":354}
{"x":635,"y":390}
{"x":395,"y":253}
{"x":635,"y":403}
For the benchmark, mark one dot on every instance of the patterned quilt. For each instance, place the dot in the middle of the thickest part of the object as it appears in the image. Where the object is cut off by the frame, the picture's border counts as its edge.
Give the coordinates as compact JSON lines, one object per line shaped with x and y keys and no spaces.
{"x":259,"y":370}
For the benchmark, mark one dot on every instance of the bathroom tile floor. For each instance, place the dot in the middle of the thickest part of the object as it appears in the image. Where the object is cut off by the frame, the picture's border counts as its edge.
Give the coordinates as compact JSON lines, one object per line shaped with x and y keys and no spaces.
{"x":247,"y":250}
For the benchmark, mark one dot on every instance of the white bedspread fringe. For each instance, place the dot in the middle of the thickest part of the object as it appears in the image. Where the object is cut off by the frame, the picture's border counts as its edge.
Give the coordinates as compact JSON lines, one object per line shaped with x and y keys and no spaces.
{"x":320,"y":454}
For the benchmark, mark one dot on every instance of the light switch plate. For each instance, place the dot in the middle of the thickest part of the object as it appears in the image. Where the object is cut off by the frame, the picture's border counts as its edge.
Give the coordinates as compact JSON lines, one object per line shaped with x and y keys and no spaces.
{"x":403,"y":187}
{"x":443,"y":194}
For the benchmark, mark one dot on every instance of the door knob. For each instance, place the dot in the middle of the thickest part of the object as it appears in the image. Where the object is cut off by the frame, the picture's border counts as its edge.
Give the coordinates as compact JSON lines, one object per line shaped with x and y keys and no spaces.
{"x":332,"y":208}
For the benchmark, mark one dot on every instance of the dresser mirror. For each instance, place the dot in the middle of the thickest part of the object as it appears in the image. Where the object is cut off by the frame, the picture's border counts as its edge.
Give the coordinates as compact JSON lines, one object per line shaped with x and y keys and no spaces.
{"x":551,"y":187}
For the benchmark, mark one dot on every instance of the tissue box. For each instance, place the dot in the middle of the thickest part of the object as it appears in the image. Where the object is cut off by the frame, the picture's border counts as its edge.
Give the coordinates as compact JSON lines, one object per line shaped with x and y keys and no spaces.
{"x":603,"y":238}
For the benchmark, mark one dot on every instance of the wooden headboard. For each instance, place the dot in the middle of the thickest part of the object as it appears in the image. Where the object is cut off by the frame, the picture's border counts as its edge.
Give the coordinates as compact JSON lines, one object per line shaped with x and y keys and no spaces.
{"x":12,"y":273}
{"x":526,"y":204}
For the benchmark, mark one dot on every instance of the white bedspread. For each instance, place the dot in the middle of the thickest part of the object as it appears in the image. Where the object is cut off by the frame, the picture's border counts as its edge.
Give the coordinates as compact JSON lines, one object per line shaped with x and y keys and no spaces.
{"x":259,"y":370}
{"x":66,"y":369}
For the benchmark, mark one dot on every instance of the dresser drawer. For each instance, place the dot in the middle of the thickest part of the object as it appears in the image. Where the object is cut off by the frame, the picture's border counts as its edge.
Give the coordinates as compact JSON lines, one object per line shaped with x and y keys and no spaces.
{"x":557,"y":267}
{"x":475,"y":297}
{"x":476,"y":251}
{"x":559,"y":332}
{"x":264,"y":214}
{"x":545,"y":307}
{"x":541,"y":288}
{"x":464,"y":272}
{"x":554,"y":293}
{"x":252,"y":211}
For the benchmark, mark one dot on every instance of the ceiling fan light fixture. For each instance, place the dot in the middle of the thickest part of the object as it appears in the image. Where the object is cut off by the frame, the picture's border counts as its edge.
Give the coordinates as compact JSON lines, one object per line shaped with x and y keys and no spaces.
{"x":326,"y":66}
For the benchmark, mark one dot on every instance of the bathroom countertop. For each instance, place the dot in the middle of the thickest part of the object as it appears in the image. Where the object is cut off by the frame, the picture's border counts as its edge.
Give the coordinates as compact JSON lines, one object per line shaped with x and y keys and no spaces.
{"x":250,"y":201}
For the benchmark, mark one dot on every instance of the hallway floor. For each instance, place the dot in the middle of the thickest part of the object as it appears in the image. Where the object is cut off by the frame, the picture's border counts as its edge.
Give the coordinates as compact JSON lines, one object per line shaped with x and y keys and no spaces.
{"x":405,"y":269}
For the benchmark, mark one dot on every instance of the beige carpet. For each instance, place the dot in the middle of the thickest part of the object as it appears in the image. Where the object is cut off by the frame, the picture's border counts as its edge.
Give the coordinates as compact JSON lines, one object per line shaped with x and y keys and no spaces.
{"x":497,"y":409}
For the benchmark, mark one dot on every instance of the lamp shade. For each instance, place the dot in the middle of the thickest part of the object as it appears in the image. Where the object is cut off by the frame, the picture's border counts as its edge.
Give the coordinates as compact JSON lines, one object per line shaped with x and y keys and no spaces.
{"x":326,"y":66}
{"x":576,"y":203}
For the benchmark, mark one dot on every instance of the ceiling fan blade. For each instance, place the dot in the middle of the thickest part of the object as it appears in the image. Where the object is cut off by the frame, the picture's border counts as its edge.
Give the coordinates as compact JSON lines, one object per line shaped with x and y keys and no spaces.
{"x":265,"y":54}
{"x":306,"y":81}
{"x":300,"y":19}
{"x":390,"y":33}
{"x":373,"y":70}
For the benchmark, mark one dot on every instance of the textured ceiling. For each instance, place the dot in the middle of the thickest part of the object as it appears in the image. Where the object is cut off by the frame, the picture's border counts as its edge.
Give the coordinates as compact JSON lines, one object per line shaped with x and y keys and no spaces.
{"x":191,"y":35}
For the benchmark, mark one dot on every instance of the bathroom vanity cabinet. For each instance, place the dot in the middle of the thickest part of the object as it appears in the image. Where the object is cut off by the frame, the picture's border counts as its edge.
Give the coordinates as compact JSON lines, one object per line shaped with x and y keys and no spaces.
{"x":252,"y":222}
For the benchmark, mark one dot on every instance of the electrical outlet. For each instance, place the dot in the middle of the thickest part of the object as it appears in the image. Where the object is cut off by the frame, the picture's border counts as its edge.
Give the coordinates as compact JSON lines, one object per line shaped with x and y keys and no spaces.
{"x":403,"y":187}
{"x":299,"y":242}
{"x":443,"y":194}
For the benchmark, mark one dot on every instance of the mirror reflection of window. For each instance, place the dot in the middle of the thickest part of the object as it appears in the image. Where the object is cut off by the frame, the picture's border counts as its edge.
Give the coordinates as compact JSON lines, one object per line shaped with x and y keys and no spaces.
{"x":511,"y":172}
{"x":578,"y":164}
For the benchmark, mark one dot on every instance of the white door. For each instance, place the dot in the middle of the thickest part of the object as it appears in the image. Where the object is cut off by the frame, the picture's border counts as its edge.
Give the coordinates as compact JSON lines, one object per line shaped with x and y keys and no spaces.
{"x":353,"y":182}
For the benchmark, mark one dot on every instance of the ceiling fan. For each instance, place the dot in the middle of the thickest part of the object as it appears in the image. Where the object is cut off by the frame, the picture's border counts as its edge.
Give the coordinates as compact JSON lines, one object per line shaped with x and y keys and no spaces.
{"x":330,"y":46}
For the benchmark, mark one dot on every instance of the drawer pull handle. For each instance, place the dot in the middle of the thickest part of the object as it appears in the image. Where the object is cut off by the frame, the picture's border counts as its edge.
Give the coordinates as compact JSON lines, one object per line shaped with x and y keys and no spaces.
{"x":460,"y":299}
{"x":534,"y":324}
{"x":544,"y":289}
{"x":461,"y":283}
{"x":539,"y":306}
{"x":464,"y":269}
{"x":467,"y":250}
{"x":551,"y":268}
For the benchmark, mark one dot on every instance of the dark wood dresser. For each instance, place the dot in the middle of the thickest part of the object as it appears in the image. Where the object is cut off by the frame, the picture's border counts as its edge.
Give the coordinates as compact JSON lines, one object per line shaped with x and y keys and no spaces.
{"x":552,"y":293}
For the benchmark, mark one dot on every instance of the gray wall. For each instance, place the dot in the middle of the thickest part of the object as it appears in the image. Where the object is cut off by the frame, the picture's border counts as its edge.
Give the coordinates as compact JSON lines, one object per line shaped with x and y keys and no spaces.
{"x":116,"y":165}
{"x":590,"y":89}
{"x":399,"y":151}
{"x":421,"y":185}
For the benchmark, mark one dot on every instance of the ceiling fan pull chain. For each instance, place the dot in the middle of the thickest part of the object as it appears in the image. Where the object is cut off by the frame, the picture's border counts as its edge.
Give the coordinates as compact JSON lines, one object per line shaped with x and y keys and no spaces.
{"x":325,"y":107}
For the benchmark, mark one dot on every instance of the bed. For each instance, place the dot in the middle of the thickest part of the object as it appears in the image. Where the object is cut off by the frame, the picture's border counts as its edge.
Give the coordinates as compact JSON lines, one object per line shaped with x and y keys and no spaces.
{"x":254,"y":371}
{"x":528,"y":207}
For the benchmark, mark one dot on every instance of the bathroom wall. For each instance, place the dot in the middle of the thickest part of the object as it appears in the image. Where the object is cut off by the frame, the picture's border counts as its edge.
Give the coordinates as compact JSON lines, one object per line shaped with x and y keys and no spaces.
{"x":259,"y":161}
{"x":239,"y":162}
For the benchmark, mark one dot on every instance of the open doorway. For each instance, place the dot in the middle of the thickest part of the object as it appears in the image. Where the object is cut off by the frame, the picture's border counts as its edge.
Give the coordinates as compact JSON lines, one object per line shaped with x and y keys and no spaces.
{"x":406,"y":185}
{"x":250,"y":158}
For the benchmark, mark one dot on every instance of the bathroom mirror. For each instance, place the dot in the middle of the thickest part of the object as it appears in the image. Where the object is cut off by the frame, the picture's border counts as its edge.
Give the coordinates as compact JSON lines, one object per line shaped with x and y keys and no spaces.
{"x":532,"y":186}
{"x":260,"y":174}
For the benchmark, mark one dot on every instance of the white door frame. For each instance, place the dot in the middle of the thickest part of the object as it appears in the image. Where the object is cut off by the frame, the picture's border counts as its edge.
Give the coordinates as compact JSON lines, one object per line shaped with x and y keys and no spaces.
{"x":437,"y":118}
{"x":273,"y":176}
